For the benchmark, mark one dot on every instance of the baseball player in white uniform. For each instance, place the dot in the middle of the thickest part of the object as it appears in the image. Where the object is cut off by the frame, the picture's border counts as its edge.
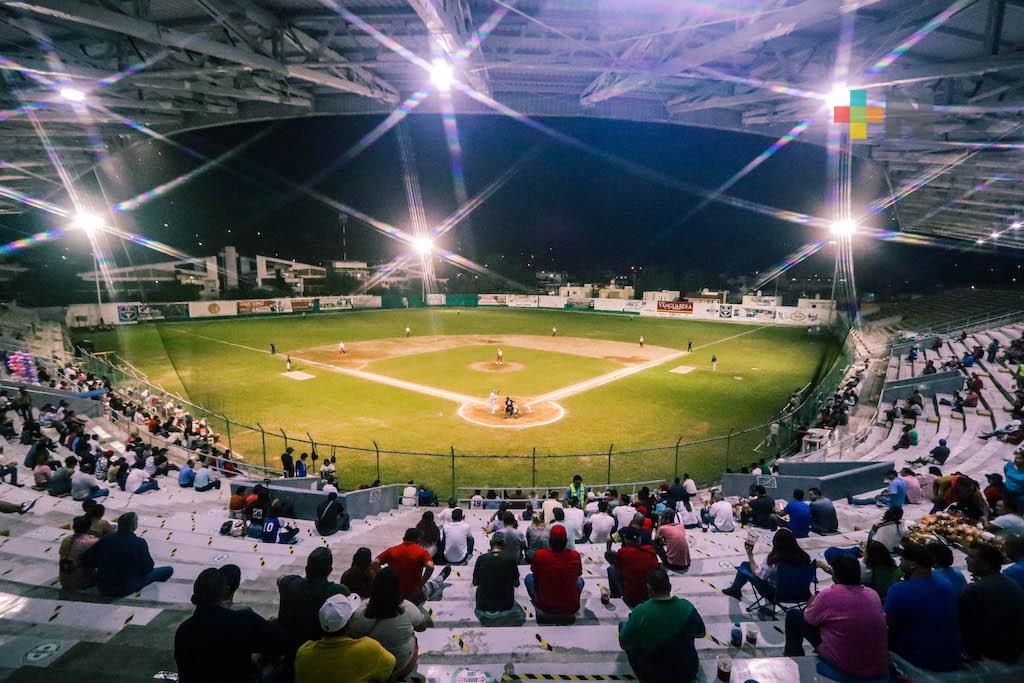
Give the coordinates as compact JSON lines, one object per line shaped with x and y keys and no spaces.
{"x":554,"y":331}
{"x":407,"y":331}
{"x":641,"y":341}
{"x":492,"y":401}
{"x":341,"y":348}
{"x":500,"y":360}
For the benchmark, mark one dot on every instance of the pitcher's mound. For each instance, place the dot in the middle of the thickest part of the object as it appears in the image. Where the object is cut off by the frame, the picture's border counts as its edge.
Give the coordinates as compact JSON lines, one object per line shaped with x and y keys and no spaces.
{"x":534,"y":415}
{"x":491,"y":366}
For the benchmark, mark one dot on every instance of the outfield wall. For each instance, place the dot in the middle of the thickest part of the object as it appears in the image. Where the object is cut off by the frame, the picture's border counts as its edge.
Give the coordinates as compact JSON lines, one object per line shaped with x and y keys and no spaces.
{"x":808,"y":312}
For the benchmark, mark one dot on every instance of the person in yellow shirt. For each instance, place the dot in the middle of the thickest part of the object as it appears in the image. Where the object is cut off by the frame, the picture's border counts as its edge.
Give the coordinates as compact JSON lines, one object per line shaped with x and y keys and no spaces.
{"x":339,"y":657}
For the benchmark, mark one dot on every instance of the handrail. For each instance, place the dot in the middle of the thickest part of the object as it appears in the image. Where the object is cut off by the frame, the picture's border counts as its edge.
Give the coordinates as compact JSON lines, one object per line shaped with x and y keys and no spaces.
{"x":973,"y":324}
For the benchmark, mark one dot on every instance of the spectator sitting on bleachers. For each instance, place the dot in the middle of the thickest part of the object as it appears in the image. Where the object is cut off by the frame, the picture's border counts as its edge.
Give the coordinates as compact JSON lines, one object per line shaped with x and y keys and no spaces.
{"x":670,"y":542}
{"x":1005,"y":523}
{"x":415,"y":568}
{"x":914,"y":493}
{"x":796,"y":516}
{"x":556,"y":579}
{"x":122,"y":561}
{"x":430,"y":535}
{"x":764,"y":577}
{"x":921,"y":612}
{"x":878,"y":571}
{"x":98,"y":526}
{"x":991,"y":608}
{"x":238,"y":634}
{"x":623,"y":512}
{"x":359,"y":576}
{"x":204,"y":478}
{"x":968,"y":500}
{"x":233,"y":579}
{"x":458,"y":538}
{"x":602,"y":524}
{"x":187,"y":475}
{"x":759,"y":510}
{"x":1012,"y":428}
{"x":273,"y":530}
{"x":929,"y":368}
{"x":936,"y":456}
{"x":549,"y":505}
{"x":41,"y":474}
{"x":942,"y":565}
{"x":300,"y":598}
{"x":73,"y":574}
{"x":138,"y":481}
{"x":497,"y":520}
{"x":537,"y":536}
{"x":658,"y":638}
{"x":391,"y":621}
{"x":628,"y":568}
{"x":60,"y":482}
{"x":894,"y":495}
{"x":84,"y":485}
{"x":719,"y":515}
{"x":515,"y":538}
{"x":338,"y":656}
{"x":1014,"y":548}
{"x":410,"y":495}
{"x":1013,"y":477}
{"x":495,"y":576}
{"x":996,"y":489}
{"x":907,"y":438}
{"x":824,"y":520}
{"x":331,"y":516}
{"x":844,"y":623}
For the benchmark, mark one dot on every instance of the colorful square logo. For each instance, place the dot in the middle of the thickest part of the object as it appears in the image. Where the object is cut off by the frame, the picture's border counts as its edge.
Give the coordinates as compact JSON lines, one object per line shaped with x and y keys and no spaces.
{"x":858,"y":114}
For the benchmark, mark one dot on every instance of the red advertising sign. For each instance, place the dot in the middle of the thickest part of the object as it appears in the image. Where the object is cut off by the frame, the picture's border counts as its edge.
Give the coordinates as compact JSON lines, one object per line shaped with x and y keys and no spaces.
{"x":675,"y":307}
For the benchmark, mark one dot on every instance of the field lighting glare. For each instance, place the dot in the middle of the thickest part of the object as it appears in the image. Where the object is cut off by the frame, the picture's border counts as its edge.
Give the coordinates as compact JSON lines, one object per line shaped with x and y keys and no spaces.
{"x":838,"y":96}
{"x":87,"y":222}
{"x":422,"y":245}
{"x":995,"y":235}
{"x":72,"y":94}
{"x":1015,"y":225}
{"x":442,"y":74}
{"x":844,"y":227}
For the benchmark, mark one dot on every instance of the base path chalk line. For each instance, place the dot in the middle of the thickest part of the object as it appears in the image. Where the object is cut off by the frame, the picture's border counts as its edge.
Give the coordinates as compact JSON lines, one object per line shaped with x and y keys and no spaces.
{"x":361,"y":374}
{"x":601,"y":380}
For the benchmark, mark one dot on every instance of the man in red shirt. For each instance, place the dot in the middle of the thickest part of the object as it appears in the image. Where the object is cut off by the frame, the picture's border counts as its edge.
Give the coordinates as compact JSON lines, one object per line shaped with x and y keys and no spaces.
{"x":556,"y":580}
{"x":628,"y":569}
{"x":414,"y":567}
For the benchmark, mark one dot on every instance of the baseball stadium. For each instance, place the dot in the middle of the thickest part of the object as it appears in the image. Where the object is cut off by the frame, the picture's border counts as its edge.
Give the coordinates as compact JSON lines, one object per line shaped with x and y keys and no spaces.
{"x":485,"y":341}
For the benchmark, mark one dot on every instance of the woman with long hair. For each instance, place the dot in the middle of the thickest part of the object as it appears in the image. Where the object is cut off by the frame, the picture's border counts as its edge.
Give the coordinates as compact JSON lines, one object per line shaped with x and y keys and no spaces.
{"x":765,"y":577}
{"x":359,"y":577}
{"x":390,"y":621}
{"x":430,"y":535}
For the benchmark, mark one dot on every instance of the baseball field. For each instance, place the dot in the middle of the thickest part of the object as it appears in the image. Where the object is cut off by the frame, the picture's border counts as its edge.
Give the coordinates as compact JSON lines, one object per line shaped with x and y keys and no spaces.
{"x":583,"y":389}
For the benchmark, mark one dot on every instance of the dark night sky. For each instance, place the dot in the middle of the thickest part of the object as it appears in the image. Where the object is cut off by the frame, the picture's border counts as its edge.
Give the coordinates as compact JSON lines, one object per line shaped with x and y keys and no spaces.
{"x":573,"y":211}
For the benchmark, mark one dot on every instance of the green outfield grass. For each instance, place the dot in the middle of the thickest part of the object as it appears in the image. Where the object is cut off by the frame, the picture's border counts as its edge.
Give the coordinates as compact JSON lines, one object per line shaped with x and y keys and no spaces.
{"x":224,"y":365}
{"x":544,"y":371}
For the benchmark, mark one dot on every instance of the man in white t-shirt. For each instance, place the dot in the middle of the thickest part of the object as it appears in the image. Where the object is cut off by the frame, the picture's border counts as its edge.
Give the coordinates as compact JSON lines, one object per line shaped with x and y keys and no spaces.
{"x":601,"y":524}
{"x":549,"y":505}
{"x":139,"y":481}
{"x":689,"y":484}
{"x":574,"y":518}
{"x":458,"y":538}
{"x":410,"y":496}
{"x":571,"y":532}
{"x":624,"y":513}
{"x":719,"y":516}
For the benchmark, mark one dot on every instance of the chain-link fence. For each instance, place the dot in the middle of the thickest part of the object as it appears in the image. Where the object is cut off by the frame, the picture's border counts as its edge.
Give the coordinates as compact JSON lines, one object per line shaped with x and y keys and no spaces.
{"x":705,"y":459}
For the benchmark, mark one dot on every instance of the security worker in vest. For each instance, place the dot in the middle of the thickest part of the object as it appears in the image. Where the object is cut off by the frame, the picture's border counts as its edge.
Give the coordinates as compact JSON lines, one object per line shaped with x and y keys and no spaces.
{"x":576,"y":491}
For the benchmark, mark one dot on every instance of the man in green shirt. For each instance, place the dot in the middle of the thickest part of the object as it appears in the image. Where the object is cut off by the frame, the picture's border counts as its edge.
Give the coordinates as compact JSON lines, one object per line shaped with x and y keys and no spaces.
{"x":658,"y":636}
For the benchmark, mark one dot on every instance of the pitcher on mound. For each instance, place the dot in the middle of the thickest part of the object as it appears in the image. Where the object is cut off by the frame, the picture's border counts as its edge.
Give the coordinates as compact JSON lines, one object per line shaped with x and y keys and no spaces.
{"x":500,"y":360}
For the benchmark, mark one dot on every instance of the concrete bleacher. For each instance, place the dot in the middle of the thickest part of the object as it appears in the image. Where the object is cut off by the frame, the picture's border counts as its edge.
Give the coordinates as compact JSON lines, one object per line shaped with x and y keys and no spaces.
{"x":76,"y":636}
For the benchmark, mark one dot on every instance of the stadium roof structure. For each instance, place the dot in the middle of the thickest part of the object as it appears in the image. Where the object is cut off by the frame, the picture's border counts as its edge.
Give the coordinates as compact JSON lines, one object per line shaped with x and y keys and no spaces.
{"x":765,"y":67}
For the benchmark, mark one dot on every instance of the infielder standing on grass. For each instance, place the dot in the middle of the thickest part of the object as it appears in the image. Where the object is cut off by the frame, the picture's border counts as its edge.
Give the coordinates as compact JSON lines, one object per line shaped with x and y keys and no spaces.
{"x":273,"y":349}
{"x":500,"y":360}
{"x":689,"y":346}
{"x":408,"y":332}
{"x":641,"y":341}
{"x":341,"y":348}
{"x":554,"y":330}
{"x":714,"y":362}
{"x":288,"y":363}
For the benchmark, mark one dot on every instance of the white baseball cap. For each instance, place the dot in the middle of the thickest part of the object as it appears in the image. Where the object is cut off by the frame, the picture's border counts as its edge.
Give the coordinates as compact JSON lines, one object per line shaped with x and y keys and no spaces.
{"x":336,"y":612}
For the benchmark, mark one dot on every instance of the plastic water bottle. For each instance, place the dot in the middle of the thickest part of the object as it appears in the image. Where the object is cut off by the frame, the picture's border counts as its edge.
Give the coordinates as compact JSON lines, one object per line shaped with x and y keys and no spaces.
{"x":736,"y":635}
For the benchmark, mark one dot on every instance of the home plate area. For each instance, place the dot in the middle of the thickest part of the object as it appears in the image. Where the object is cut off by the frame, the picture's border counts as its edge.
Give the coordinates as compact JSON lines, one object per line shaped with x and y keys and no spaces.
{"x":296,"y":374}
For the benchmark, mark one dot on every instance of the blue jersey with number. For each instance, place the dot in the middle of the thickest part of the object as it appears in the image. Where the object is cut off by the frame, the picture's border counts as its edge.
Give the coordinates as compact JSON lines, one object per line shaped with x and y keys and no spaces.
{"x":271,"y":526}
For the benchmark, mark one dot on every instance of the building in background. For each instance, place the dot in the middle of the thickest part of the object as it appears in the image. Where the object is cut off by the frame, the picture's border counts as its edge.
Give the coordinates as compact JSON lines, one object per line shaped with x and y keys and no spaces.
{"x":613,"y":290}
{"x":571,"y":291}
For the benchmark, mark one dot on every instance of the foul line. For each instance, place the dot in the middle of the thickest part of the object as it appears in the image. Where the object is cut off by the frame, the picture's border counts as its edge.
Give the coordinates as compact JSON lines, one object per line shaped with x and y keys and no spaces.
{"x":601,"y":380}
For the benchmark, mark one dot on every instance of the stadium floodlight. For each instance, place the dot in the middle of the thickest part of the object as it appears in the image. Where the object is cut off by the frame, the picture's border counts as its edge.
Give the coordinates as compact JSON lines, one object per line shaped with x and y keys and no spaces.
{"x":838,"y":96}
{"x":423,"y":245}
{"x":979,"y":241}
{"x":72,"y":94}
{"x":87,"y":222}
{"x":1015,"y":225}
{"x":442,"y":74}
{"x":995,"y":235}
{"x":844,"y":228}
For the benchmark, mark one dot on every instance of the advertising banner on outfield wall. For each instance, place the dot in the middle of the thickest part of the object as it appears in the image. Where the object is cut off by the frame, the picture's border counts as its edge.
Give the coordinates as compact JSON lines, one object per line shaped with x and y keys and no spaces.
{"x":211,"y":309}
{"x":675,"y":309}
{"x":435,"y":299}
{"x":610,"y":305}
{"x":753,"y":313}
{"x":522,"y":301}
{"x":257,"y":306}
{"x":491,"y":299}
{"x":725,"y":311}
{"x":336,"y":303}
{"x":303,"y":305}
{"x":365,"y":301}
{"x":633,"y":305}
{"x":579,"y":303}
{"x":792,"y":315}
{"x":551,"y":301}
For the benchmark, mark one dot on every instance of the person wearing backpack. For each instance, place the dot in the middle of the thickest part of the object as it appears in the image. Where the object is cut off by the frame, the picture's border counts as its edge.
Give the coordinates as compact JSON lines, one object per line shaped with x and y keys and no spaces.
{"x":331,"y":516}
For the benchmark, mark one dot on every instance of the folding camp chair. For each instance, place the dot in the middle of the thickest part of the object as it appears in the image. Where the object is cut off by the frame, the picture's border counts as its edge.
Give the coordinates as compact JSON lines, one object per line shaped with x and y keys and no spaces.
{"x":792,"y":589}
